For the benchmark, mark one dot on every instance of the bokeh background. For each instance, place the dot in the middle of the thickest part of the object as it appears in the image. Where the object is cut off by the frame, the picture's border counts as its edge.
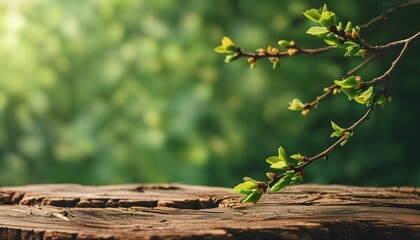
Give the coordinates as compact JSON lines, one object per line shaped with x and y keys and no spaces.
{"x":107,"y":92}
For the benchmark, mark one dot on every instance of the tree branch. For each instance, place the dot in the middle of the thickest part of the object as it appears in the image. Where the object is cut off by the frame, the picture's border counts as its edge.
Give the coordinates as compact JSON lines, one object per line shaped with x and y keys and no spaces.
{"x":385,"y":14}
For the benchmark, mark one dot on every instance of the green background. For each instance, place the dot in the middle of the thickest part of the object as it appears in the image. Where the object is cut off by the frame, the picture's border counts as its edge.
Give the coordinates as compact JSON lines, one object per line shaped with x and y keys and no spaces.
{"x":106,"y":92}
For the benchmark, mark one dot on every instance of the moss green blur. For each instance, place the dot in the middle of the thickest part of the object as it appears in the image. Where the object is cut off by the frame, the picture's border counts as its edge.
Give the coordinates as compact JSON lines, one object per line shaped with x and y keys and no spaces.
{"x":106,"y":92}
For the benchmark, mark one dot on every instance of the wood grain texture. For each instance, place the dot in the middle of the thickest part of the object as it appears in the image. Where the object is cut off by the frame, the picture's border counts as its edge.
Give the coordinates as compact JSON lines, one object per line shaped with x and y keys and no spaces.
{"x":68,"y":211}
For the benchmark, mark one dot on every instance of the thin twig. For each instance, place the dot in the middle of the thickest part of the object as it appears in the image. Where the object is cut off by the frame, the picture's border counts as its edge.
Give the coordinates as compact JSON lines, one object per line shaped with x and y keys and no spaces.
{"x":338,"y":142}
{"x":330,"y":89}
{"x":367,"y":60}
{"x":397,"y":43}
{"x":394,"y":64}
{"x":267,"y":54}
{"x":315,"y":51}
{"x":385,"y":14}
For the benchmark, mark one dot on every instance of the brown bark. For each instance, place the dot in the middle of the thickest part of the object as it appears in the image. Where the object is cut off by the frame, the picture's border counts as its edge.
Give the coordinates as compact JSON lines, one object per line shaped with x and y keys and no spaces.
{"x":65,"y":211}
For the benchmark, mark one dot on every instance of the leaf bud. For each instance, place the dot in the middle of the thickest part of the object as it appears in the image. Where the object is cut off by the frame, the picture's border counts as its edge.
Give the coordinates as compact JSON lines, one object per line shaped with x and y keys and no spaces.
{"x":354,"y":33}
{"x":271,"y":175}
{"x":229,"y":58}
{"x":276,"y":64}
{"x":251,"y":59}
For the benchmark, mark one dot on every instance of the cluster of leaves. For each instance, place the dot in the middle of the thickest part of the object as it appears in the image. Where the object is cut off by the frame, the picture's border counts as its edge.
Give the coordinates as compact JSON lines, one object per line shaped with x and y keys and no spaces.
{"x":335,"y":35}
{"x":229,"y":47}
{"x":340,"y":132}
{"x":353,"y":87}
{"x":254,"y":189}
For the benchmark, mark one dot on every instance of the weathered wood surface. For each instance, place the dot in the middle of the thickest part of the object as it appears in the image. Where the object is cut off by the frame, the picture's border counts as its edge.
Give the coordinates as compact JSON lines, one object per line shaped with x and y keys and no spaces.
{"x":195,"y":212}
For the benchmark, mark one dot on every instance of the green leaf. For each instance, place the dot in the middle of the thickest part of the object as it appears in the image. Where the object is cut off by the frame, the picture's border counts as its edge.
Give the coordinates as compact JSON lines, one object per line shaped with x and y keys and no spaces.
{"x":317,"y":30}
{"x":312,"y":14}
{"x":230,"y":58}
{"x":336,"y":127}
{"x":254,"y":196}
{"x":297,"y":157}
{"x":343,"y":142}
{"x":279,"y":162}
{"x":284,"y":43}
{"x":339,"y":26}
{"x":350,"y":82}
{"x":350,"y":44}
{"x":325,"y":19}
{"x":365,"y":97}
{"x":279,"y":185}
{"x":333,"y":18}
{"x":337,"y":134}
{"x":296,"y":180}
{"x":246,"y":185}
{"x":351,"y":51}
{"x":227,"y":42}
{"x":273,"y":160}
{"x":244,"y":191}
{"x":351,"y":92}
{"x":333,"y":43}
{"x":282,"y":165}
{"x":296,"y":105}
{"x":282,"y":155}
{"x":221,"y":49}
{"x":248,"y":179}
{"x":283,"y":182}
{"x":324,"y":8}
{"x":228,"y":46}
{"x":276,"y":64}
{"x":349,"y":26}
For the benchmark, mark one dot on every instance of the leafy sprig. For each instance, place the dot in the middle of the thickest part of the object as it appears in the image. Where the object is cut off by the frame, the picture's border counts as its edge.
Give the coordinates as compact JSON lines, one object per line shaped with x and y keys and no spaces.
{"x":372,"y":94}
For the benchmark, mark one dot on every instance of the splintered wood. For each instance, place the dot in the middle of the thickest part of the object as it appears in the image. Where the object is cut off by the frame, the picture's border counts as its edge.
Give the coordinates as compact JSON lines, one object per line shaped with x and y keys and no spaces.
{"x":306,"y":212}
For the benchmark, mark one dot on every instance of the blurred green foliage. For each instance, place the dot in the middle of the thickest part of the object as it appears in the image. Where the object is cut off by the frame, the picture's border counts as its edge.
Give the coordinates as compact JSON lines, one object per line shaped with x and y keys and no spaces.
{"x":101,"y":92}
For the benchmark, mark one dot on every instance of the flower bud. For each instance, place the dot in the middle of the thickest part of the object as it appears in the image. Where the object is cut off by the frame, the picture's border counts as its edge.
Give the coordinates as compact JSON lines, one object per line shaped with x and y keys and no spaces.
{"x":305,"y":112}
{"x":292,"y":51}
{"x":292,"y":43}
